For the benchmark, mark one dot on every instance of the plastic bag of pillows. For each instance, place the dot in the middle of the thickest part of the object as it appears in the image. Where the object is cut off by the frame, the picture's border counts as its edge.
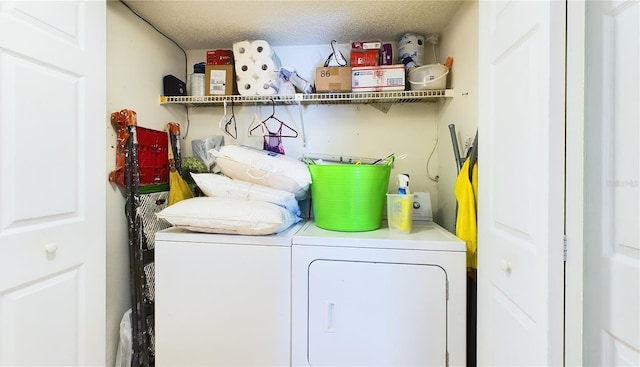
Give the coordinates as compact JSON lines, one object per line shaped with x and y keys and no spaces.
{"x":215,"y":185}
{"x":264,"y":168}
{"x":228,"y":216}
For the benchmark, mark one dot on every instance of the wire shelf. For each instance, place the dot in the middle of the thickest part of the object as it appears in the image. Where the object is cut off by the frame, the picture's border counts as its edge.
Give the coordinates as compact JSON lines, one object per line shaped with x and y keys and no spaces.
{"x":317,"y":98}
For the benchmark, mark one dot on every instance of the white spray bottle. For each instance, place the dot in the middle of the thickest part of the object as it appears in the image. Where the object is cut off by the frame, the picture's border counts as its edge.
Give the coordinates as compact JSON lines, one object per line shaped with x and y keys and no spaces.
{"x":403,"y":184}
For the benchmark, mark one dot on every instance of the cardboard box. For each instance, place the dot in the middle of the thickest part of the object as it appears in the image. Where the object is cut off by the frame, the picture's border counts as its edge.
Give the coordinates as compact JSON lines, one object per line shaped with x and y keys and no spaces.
{"x":366,"y":45}
{"x":333,"y":79}
{"x":365,"y":57}
{"x":386,"y":54}
{"x":219,"y":80}
{"x":219,"y":57}
{"x":377,"y":78}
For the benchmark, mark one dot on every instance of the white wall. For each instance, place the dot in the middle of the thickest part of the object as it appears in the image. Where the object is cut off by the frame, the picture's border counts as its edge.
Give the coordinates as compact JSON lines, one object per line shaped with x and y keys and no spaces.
{"x":460,"y":41}
{"x":349,"y":129}
{"x":137,"y":59}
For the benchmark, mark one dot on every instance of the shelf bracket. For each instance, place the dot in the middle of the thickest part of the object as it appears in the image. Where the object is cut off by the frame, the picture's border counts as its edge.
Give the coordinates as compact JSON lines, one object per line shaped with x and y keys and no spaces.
{"x":381,"y":106}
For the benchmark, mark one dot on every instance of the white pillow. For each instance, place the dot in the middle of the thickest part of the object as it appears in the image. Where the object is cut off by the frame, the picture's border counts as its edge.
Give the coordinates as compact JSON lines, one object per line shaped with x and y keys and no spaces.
{"x":212,"y":184}
{"x":264,"y":167}
{"x":230,"y":216}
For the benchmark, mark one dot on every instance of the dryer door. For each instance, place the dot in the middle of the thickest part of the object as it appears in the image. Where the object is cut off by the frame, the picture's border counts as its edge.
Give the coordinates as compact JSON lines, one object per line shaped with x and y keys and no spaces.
{"x":372,"y":313}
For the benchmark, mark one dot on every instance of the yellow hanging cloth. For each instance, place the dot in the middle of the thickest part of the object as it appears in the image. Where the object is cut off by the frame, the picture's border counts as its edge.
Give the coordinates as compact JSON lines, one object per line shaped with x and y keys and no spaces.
{"x":178,"y":188}
{"x":466,"y":193}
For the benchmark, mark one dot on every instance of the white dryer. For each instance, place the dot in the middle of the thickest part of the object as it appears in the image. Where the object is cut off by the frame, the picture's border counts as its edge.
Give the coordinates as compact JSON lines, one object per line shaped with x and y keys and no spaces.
{"x":378,"y":298}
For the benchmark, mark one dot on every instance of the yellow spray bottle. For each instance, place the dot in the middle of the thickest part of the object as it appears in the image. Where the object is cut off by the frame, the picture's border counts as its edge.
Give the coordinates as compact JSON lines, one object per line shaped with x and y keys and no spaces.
{"x":406,"y":202}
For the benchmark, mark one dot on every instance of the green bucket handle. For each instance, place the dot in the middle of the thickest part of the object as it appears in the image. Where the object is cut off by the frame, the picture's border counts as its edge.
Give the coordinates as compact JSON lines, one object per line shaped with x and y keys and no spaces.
{"x":388,"y":161}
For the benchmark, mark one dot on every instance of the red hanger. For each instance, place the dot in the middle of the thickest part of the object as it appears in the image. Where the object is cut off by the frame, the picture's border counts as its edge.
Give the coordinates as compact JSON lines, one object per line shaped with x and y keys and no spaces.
{"x":292,"y":133}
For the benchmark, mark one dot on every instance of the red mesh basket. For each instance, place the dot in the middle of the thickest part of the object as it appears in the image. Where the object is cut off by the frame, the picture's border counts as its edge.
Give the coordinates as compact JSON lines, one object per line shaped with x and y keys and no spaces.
{"x":153,"y":163}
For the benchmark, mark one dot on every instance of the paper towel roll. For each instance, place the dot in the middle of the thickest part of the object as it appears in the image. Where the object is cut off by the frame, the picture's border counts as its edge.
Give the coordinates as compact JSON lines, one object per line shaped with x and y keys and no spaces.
{"x":245,"y":68}
{"x":264,"y":87}
{"x":260,"y":48}
{"x":412,"y":45}
{"x":241,"y":49}
{"x":247,"y":86}
{"x":265,"y":66}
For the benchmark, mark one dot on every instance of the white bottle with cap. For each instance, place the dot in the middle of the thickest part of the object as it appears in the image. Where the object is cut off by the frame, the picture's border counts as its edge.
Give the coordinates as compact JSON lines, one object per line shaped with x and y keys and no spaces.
{"x":403,"y":184}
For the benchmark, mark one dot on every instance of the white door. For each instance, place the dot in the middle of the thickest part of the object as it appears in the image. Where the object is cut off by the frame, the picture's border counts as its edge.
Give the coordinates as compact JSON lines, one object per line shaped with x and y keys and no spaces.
{"x":52,"y":184}
{"x":612,"y":245}
{"x":521,"y":183}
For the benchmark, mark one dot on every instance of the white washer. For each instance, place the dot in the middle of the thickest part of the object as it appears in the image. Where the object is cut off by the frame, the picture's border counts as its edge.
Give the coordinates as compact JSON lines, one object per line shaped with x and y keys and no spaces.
{"x":222,"y":300}
{"x":378,"y":298}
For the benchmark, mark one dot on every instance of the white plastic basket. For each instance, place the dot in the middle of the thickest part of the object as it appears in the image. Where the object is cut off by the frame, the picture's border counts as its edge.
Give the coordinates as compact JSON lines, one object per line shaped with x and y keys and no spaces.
{"x":432,"y":76}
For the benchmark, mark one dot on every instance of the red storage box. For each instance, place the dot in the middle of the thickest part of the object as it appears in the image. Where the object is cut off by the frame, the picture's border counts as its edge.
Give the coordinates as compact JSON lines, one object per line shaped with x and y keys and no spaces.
{"x":153,"y":150}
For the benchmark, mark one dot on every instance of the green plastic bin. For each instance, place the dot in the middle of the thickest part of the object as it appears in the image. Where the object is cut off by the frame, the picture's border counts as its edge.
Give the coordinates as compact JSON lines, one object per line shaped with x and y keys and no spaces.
{"x":349,"y":197}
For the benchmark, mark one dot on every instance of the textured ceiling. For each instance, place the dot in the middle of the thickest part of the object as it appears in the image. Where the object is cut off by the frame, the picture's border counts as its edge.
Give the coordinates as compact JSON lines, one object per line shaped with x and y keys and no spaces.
{"x":209,"y":24}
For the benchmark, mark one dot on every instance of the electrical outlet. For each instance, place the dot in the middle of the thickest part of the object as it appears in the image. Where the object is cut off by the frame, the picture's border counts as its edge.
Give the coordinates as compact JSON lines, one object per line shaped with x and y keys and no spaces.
{"x":422,"y":206}
{"x":432,"y":38}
